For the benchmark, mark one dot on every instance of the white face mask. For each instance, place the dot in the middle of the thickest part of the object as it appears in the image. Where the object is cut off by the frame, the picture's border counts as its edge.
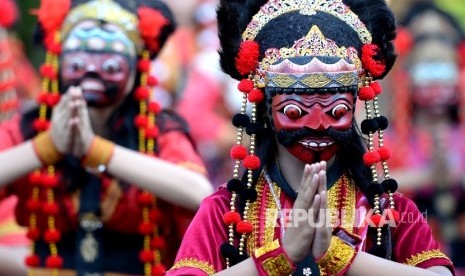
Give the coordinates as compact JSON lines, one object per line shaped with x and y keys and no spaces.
{"x":438,"y":72}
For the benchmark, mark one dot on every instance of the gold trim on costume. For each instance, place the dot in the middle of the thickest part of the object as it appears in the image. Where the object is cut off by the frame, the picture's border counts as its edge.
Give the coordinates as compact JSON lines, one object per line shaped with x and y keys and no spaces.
{"x":337,"y":258}
{"x":276,"y":8}
{"x":195,"y":263}
{"x":276,"y":266}
{"x":268,"y":247}
{"x":270,"y":225}
{"x":425,"y":256}
{"x":348,"y":205}
{"x":254,"y":238}
{"x":344,"y":206}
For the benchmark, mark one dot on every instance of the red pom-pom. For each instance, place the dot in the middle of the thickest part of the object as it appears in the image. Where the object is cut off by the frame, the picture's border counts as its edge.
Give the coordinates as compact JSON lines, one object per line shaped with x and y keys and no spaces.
{"x":154,"y":107}
{"x":155,"y":216}
{"x":244,"y":227}
{"x":375,"y":67}
{"x":42,"y":97}
{"x":40,"y":124}
{"x":52,"y":99}
{"x":52,"y":45}
{"x":152,"y":81}
{"x":252,"y":162}
{"x":151,"y":22}
{"x":377,"y":220}
{"x":50,"y":209}
{"x":371,"y":158}
{"x":395,"y":215}
{"x":366,"y":93}
{"x":238,"y":152}
{"x":47,"y":71}
{"x":146,"y":256}
{"x":158,"y":243}
{"x":145,"y":199}
{"x":384,"y":153}
{"x":33,"y":234}
{"x":8,"y":13}
{"x":152,"y":132}
{"x":247,"y":58}
{"x":143,"y":65}
{"x":54,"y":262}
{"x":142,"y":93}
{"x":231,"y":218}
{"x":256,"y":96}
{"x":33,"y":205}
{"x":32,"y":260}
{"x":50,"y":181}
{"x":404,"y":41}
{"x":146,"y":228}
{"x":377,"y":88}
{"x":52,"y":13}
{"x":52,"y":236}
{"x":35,"y":178}
{"x":158,"y":270}
{"x":141,"y":121}
{"x":245,"y":86}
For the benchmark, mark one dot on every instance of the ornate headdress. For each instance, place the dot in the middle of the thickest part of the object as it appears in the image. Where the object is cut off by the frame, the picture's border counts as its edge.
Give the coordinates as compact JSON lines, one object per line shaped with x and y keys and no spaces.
{"x":147,"y":24}
{"x":335,"y":46}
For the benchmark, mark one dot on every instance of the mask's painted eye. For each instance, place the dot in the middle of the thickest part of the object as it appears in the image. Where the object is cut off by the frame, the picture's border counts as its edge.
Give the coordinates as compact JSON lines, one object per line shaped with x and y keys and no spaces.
{"x":111,"y":66}
{"x":76,"y":64}
{"x":292,"y":111}
{"x":339,"y":111}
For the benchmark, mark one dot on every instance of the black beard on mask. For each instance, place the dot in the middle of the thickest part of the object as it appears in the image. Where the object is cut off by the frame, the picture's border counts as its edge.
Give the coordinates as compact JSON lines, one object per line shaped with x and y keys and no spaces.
{"x":111,"y":91}
{"x":340,"y":137}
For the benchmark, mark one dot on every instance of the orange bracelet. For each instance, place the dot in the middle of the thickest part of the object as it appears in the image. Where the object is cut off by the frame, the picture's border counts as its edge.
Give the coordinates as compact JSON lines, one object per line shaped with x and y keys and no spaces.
{"x":100,"y":153}
{"x":45,"y":149}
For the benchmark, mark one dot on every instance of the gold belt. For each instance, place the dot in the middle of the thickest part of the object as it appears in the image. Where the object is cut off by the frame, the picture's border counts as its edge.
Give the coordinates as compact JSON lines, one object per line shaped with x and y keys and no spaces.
{"x":66,"y":272}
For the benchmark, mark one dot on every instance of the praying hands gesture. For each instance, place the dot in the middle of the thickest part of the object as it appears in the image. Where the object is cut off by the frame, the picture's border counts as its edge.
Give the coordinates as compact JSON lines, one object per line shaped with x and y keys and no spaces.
{"x":311,"y":229}
{"x":71,"y":130}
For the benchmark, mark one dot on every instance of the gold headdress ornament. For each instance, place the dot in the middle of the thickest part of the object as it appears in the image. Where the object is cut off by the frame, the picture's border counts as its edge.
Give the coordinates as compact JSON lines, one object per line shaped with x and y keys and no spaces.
{"x":108,"y":11}
{"x":275,"y":8}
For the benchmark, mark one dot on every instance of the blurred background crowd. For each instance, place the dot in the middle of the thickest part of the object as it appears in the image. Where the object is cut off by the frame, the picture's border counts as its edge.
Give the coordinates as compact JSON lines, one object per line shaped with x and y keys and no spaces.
{"x":425,"y":95}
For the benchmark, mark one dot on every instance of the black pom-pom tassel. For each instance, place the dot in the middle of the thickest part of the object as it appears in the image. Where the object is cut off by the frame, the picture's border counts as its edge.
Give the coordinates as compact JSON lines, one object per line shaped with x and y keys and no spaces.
{"x":369,"y":126}
{"x":228,"y":251}
{"x":249,"y":194}
{"x":375,"y":189}
{"x":390,"y":185}
{"x":254,"y":128}
{"x":235,"y":185}
{"x":382,"y":122}
{"x":241,"y":120}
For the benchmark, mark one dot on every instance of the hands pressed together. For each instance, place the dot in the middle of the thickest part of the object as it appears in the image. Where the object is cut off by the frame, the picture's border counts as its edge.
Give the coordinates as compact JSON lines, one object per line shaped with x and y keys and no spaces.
{"x":71,"y":129}
{"x":312,"y":234}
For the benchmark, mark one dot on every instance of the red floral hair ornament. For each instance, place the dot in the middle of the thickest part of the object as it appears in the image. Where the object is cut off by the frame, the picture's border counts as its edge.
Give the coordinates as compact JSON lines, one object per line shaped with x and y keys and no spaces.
{"x":151,"y":22}
{"x":375,"y":67}
{"x":52,"y":13}
{"x":8,"y":13}
{"x":247,"y":58}
{"x":403,"y":42}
